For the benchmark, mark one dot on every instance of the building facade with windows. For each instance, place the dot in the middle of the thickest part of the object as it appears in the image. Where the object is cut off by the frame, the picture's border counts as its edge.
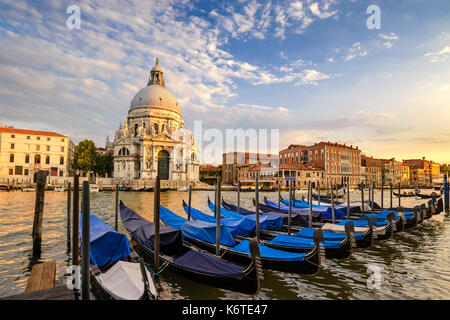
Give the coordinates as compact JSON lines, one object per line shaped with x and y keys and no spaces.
{"x":152,"y":141}
{"x":237,"y":165}
{"x":339,"y":162}
{"x":24,"y":152}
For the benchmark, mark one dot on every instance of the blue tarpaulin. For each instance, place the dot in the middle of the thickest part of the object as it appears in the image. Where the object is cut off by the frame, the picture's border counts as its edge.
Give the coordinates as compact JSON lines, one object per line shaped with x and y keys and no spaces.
{"x":143,"y":231}
{"x":290,"y":241}
{"x":364,"y":223}
{"x":106,"y":244}
{"x":197,"y":229}
{"x":327,"y":235}
{"x":269,"y":253}
{"x":340,"y":212}
{"x":183,"y":257}
{"x":237,"y":227}
{"x":266,"y":221}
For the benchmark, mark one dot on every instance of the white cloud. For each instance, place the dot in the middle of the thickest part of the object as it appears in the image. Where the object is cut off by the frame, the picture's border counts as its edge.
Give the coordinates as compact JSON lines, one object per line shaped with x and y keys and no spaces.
{"x":440,"y":55}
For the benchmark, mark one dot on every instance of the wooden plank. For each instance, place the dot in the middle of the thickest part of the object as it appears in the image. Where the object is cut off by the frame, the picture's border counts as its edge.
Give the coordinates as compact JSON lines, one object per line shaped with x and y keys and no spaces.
{"x":34,"y":281}
{"x":42,"y":277}
{"x":48,"y":275}
{"x":57,"y":293}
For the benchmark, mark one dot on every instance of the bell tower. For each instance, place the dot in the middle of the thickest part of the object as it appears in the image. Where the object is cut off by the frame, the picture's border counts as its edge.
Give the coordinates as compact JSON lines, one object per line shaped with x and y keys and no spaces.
{"x":156,"y":76}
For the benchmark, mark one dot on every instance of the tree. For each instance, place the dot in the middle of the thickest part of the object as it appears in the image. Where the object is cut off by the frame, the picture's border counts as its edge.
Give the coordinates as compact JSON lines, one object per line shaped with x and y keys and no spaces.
{"x":85,"y":156}
{"x":104,"y":165}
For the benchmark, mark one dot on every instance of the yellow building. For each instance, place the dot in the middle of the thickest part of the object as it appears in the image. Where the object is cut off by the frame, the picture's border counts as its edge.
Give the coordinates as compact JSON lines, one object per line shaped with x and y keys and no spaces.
{"x":405,"y":175}
{"x":24,"y":152}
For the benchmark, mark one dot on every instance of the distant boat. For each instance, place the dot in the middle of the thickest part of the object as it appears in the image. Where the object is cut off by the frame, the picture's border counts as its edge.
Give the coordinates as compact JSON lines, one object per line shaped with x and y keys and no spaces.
{"x":183,"y":189}
{"x":29,"y":189}
{"x":93,"y":188}
{"x":59,"y":188}
{"x":124,"y":189}
{"x":4,"y":187}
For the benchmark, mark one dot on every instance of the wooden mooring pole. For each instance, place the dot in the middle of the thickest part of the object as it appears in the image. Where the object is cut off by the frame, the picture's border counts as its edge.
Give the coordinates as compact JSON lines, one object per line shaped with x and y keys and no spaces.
{"x":38,"y":213}
{"x":257,"y":207}
{"x":290,"y":207}
{"x":156,"y":209}
{"x":69,"y":213}
{"x":75,"y":220}
{"x":382,"y":194}
{"x":239,"y":196}
{"x":85,"y":242}
{"x":189,"y":202}
{"x":217,"y":204}
{"x":116,"y":217}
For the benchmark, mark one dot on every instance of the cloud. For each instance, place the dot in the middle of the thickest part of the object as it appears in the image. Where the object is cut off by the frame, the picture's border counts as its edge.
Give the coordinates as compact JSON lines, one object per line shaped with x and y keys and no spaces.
{"x":354,"y":51}
{"x":387,"y":39}
{"x":440,"y":55}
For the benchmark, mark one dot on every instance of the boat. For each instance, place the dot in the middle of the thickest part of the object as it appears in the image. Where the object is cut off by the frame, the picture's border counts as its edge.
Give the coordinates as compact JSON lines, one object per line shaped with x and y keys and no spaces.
{"x":202,"y":234}
{"x":115,"y":267}
{"x":405,"y":194}
{"x":4,"y":187}
{"x":182,"y":189}
{"x":363,"y":238}
{"x":162,"y":189}
{"x":188,"y":260}
{"x":124,"y":188}
{"x":337,"y":249}
{"x":428,"y":196}
{"x":28,"y":189}
{"x":136,"y":189}
{"x":93,"y":188}
{"x":381,"y":229}
{"x":59,"y":188}
{"x":367,"y":204}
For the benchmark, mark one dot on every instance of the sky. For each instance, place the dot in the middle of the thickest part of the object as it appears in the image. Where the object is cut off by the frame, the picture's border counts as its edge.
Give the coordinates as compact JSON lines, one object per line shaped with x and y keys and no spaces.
{"x":311,"y":68}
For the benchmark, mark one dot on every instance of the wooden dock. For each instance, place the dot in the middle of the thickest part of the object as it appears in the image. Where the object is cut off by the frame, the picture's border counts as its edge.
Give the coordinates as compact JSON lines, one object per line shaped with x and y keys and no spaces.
{"x":41,"y":285}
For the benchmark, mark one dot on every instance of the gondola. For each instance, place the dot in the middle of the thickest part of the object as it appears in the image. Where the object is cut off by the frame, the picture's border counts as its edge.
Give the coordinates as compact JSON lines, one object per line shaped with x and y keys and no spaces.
{"x":334,"y":249}
{"x":405,"y":195}
{"x":115,"y":267}
{"x":125,"y":188}
{"x":363,"y":238}
{"x":381,"y":231}
{"x":367,"y":206}
{"x":428,"y":196}
{"x":202,"y":234}
{"x":163,"y":189}
{"x":188,"y":260}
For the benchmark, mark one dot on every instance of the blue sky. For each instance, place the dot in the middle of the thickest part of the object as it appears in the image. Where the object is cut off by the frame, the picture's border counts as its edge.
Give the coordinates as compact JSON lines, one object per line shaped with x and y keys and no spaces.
{"x":310,"y":68}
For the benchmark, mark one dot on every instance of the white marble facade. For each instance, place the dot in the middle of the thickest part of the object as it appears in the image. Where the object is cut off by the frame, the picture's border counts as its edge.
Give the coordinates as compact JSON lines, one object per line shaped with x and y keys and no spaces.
{"x":152,"y":139}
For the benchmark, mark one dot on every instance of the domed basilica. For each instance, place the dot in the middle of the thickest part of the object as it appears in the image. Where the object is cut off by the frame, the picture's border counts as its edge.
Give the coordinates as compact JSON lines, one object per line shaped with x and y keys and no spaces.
{"x":152,"y":140}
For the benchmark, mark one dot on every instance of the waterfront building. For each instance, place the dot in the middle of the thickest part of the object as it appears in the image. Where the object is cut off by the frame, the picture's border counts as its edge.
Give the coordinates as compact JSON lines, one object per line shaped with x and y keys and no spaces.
{"x":23,"y":152}
{"x":152,"y":141}
{"x":372,"y":170}
{"x":339,"y":162}
{"x":422,"y":171}
{"x":232,"y":162}
{"x":303,"y":175}
{"x":209,"y":173}
{"x":406,"y":179}
{"x":392,"y":172}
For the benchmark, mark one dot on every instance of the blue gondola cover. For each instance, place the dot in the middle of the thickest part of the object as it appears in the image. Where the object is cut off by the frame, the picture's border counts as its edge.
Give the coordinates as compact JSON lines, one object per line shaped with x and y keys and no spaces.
{"x":143,"y":231}
{"x":197,"y":229}
{"x":106,"y":244}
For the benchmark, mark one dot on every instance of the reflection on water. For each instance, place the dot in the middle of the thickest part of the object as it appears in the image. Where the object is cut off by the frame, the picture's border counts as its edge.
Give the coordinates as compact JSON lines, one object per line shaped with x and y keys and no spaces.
{"x":415,"y":264}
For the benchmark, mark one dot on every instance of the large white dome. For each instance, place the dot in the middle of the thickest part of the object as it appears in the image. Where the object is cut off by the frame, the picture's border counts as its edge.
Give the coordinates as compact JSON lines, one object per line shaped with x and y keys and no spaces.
{"x":155,"y":96}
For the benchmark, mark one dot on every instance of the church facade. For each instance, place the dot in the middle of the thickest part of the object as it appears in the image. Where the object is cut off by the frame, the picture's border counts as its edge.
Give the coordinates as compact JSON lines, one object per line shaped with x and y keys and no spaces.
{"x":152,"y":140}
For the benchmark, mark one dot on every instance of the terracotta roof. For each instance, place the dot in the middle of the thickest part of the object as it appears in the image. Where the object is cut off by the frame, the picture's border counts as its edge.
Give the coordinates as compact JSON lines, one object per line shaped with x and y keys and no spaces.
{"x":33,"y":132}
{"x":323,"y":143}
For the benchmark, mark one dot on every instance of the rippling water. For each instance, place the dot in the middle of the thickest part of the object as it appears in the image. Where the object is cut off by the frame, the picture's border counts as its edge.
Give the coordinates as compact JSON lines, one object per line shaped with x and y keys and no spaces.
{"x":414,"y":264}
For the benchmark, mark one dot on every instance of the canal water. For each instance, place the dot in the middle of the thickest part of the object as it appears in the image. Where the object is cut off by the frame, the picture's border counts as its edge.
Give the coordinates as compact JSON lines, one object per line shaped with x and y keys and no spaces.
{"x":414,"y":264}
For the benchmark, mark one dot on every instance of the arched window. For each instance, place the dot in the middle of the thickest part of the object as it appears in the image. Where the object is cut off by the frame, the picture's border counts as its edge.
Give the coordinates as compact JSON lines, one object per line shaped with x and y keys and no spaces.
{"x":27,"y":158}
{"x":136,"y":126}
{"x":156,"y":128}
